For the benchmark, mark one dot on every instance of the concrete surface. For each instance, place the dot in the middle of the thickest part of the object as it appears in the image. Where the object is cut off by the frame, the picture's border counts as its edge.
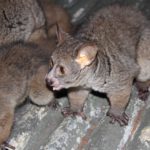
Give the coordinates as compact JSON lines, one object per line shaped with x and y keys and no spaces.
{"x":41,"y":128}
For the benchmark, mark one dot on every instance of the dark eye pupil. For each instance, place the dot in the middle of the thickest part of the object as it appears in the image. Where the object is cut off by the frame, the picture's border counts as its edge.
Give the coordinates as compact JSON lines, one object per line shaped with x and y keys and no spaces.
{"x":62,"y":71}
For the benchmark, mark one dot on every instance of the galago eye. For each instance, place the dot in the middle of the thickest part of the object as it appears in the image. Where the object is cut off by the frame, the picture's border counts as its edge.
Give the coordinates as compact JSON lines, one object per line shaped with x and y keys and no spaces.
{"x":51,"y":64}
{"x":60,"y":70}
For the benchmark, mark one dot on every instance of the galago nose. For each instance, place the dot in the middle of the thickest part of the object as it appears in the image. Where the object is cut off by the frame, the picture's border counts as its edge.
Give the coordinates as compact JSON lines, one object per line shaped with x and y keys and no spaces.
{"x":53,"y":82}
{"x":49,"y":81}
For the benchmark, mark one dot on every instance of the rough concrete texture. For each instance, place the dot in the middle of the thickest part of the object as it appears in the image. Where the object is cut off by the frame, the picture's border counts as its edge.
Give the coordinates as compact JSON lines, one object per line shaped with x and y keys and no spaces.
{"x":41,"y":128}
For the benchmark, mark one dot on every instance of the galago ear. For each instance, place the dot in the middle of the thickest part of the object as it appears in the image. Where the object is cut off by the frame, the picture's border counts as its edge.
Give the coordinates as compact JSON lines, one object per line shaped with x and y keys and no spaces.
{"x":60,"y":34}
{"x":86,"y":54}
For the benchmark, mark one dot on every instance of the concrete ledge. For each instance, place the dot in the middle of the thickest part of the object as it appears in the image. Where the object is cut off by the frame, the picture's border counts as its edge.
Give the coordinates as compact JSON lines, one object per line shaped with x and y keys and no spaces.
{"x":42,"y":128}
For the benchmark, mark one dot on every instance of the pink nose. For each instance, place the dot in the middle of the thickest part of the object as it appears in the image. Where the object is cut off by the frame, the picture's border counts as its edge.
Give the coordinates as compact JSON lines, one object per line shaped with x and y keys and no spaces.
{"x":51,"y":81}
